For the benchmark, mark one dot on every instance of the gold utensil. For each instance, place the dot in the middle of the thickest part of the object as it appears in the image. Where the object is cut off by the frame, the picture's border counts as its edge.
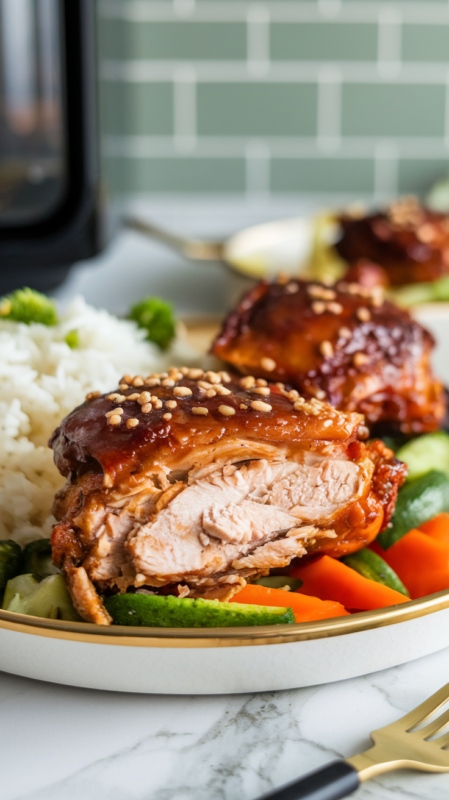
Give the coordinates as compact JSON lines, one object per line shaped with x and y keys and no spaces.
{"x":404,"y":744}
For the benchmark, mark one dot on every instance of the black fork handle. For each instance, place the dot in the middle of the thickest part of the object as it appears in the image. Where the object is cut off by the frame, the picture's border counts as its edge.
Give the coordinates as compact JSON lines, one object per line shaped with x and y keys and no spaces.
{"x":336,"y":780}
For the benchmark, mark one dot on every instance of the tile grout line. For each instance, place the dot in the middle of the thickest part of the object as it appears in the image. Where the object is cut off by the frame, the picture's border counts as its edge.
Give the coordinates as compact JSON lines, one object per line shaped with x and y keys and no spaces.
{"x":184,"y":109}
{"x":389,"y":42}
{"x":258,"y":40}
{"x":329,"y":110}
{"x":257,"y":168}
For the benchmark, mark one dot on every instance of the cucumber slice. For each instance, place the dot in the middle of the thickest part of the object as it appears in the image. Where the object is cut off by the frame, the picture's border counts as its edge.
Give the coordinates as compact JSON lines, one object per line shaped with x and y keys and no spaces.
{"x":280,"y":582}
{"x":48,"y":598}
{"x":423,"y":453}
{"x":418,"y":501}
{"x":152,"y":610}
{"x":10,"y":561}
{"x":37,"y":558}
{"x":373,"y":567}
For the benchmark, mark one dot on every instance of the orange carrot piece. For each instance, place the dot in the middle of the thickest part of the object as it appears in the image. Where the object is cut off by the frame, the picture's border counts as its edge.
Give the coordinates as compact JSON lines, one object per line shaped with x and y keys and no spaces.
{"x":330,"y":579}
{"x":304,"y":608}
{"x":421,"y":562}
{"x":437,"y":528}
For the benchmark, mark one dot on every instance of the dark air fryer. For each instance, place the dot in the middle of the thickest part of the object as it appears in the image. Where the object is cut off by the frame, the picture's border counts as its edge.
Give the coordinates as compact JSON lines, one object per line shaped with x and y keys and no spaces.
{"x":49,"y":173}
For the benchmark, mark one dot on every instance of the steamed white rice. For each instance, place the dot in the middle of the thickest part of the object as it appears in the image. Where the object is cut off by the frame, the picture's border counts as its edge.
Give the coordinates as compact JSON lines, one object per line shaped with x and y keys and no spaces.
{"x":42,"y":380}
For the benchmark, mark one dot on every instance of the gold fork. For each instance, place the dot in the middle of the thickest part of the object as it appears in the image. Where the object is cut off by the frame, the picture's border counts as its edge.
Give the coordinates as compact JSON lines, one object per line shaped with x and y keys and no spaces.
{"x":401,"y":745}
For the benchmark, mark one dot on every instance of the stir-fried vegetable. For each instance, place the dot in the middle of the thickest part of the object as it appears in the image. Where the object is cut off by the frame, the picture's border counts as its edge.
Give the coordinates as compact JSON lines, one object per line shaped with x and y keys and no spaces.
{"x":421,"y":563}
{"x":176,"y":612}
{"x":27,"y":305}
{"x":37,"y":558}
{"x":48,"y":598}
{"x":157,"y":317}
{"x":423,"y":453}
{"x":373,"y":567}
{"x":418,"y":501}
{"x":10,"y":562}
{"x":305,"y":609}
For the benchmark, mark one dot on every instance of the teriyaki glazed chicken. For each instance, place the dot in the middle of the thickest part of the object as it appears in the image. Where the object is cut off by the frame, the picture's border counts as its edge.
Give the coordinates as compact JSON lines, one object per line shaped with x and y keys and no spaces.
{"x":192,"y":484}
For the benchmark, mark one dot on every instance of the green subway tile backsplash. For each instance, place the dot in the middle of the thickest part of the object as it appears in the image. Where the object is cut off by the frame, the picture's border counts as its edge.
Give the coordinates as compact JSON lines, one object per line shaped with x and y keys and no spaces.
{"x":323,"y":41}
{"x":317,"y":174}
{"x":257,"y":109}
{"x":393,"y":109}
{"x":181,"y":175}
{"x":274,"y":96}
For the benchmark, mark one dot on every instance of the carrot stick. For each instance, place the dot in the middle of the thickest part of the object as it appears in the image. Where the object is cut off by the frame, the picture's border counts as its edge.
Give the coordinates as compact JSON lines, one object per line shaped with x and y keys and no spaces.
{"x":304,"y":608}
{"x":421,"y":562}
{"x":437,"y":528}
{"x":329,"y":579}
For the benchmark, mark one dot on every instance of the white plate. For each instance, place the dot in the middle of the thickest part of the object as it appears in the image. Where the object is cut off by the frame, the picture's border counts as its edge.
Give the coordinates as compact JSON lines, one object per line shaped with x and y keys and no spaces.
{"x":222,"y":661}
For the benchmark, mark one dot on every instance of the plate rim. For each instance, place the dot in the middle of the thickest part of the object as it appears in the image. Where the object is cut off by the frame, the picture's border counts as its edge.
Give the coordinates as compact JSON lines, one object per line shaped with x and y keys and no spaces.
{"x":119,"y":635}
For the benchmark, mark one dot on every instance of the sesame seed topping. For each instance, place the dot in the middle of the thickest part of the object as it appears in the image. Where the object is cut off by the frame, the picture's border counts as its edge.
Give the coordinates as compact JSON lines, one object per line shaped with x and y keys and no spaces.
{"x":182,"y":391}
{"x":127,"y":378}
{"x":293,"y":394}
{"x":248,"y":382}
{"x":114,"y":412}
{"x":133,"y":396}
{"x":168,"y":382}
{"x":321,"y":293}
{"x":225,"y":377}
{"x":194,"y":374}
{"x":204,"y":385}
{"x":167,"y":415}
{"x":354,"y":288}
{"x":261,"y":382}
{"x":268,"y":364}
{"x":335,"y":308}
{"x":146,"y":408}
{"x":360,"y":359}
{"x":222,"y":390}
{"x":137,"y":381}
{"x":318,"y":307}
{"x":93,"y":395}
{"x":157,"y":403}
{"x":291,"y":288}
{"x":243,"y":406}
{"x":144,"y":398}
{"x":154,"y":399}
{"x":184,"y":370}
{"x":326,"y":349}
{"x":344,"y":333}
{"x":319,"y":394}
{"x":115,"y":419}
{"x":151,"y":382}
{"x":213,"y":377}
{"x":200,"y":411}
{"x":281,"y":386}
{"x":258,"y":405}
{"x":132,"y":422}
{"x":363,"y":314}
{"x":211,"y":393}
{"x":111,"y":396}
{"x":119,"y":399}
{"x":171,"y":404}
{"x":227,"y":411}
{"x":261,"y":390}
{"x":123,"y":386}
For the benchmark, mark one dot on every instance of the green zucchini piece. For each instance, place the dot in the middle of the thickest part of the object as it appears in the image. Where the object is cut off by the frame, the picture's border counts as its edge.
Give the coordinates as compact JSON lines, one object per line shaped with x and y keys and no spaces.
{"x":37,"y":558}
{"x":418,"y":501}
{"x":48,"y":598}
{"x":279,"y":582}
{"x":423,"y":453}
{"x":10,"y":561}
{"x":373,"y":567}
{"x":152,"y":610}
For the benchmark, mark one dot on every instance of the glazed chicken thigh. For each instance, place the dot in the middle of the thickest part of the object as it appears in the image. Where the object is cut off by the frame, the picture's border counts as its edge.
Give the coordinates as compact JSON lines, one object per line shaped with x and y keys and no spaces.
{"x":344,"y":344}
{"x":192,"y":484}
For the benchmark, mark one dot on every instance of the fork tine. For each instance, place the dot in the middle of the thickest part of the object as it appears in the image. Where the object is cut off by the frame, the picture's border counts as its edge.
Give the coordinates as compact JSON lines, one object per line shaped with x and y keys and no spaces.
{"x":426,"y":709}
{"x":442,"y":741}
{"x":437,"y":725}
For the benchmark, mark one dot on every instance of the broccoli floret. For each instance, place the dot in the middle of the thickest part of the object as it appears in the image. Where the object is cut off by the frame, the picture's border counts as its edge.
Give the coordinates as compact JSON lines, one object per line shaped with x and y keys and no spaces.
{"x":27,"y":305}
{"x":156,"y":316}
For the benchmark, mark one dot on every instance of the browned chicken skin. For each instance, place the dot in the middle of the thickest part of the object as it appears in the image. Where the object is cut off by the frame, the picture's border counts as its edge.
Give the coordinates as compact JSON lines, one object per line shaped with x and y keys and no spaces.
{"x":409,"y":242}
{"x":202,"y":482}
{"x":343,"y":344}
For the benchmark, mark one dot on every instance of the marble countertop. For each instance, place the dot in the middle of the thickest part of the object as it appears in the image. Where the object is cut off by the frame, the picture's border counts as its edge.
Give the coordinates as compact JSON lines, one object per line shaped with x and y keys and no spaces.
{"x":63,"y":743}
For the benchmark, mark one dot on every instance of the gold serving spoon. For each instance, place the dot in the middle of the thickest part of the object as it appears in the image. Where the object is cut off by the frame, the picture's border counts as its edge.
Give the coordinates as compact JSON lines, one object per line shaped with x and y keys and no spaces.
{"x":402,"y":745}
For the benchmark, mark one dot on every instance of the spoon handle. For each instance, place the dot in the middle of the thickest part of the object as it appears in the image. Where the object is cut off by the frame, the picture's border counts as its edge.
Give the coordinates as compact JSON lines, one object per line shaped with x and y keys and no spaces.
{"x":194,"y":249}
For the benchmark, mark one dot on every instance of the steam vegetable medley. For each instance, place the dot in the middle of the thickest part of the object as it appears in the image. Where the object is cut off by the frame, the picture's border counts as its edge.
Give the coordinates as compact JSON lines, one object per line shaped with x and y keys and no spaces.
{"x":196,"y":498}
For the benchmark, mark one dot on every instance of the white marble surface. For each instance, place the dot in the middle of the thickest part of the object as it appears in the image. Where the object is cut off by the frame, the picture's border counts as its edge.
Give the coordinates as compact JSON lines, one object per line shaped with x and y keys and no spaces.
{"x":61,"y":743}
